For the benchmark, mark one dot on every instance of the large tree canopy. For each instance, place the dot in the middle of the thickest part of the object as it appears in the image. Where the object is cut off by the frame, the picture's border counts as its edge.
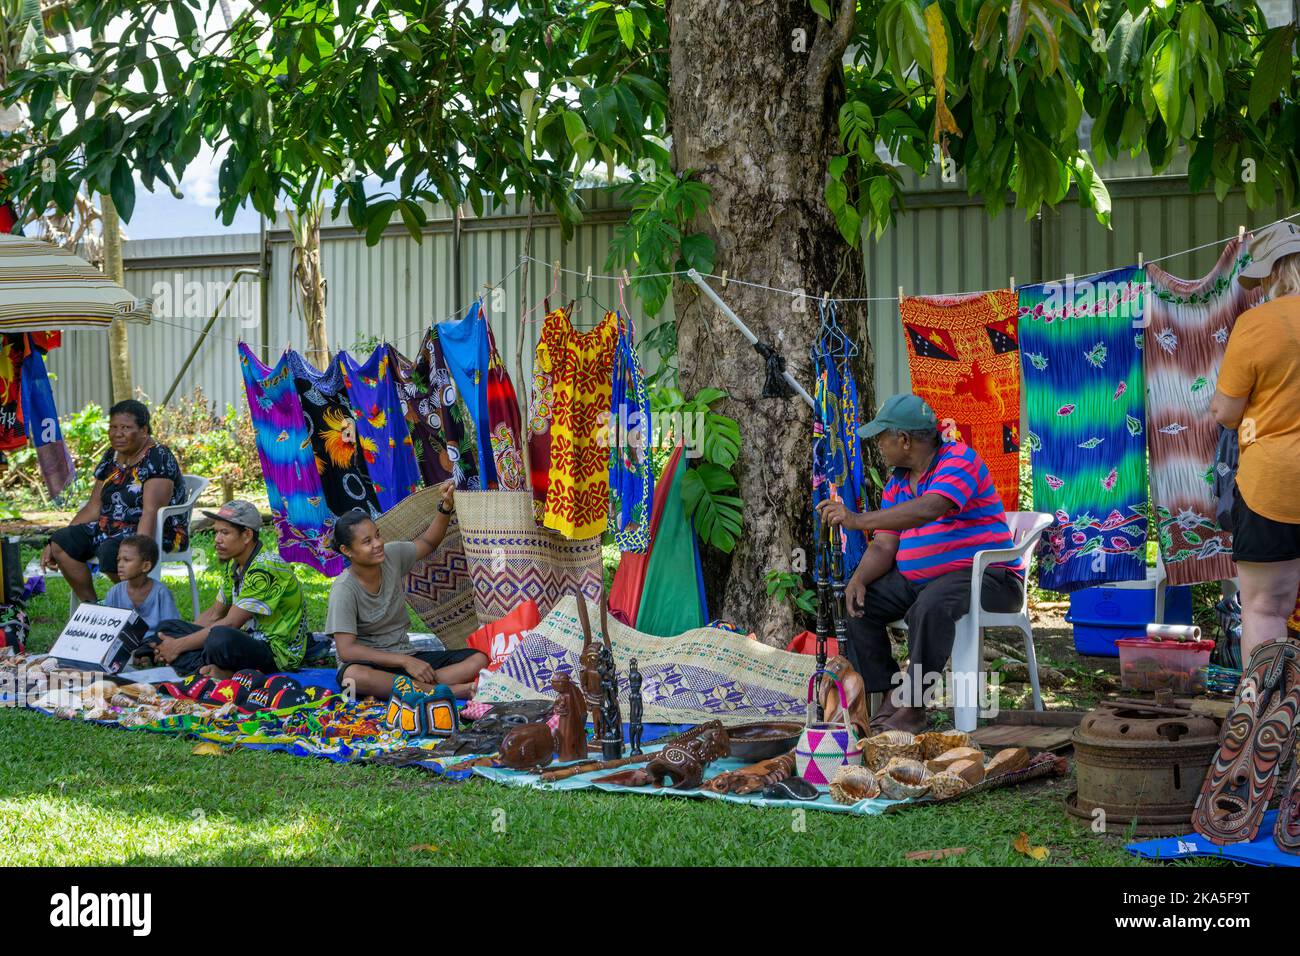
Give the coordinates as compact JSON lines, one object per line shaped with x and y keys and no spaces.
{"x":753,"y":131}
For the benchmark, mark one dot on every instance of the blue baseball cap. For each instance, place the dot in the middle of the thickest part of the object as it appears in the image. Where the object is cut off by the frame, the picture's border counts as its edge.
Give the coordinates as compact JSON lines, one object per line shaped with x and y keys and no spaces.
{"x":905,"y":413}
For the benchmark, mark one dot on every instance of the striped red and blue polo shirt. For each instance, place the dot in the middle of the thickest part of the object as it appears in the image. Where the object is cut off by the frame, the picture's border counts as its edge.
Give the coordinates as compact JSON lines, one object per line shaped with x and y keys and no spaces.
{"x":949,"y":544}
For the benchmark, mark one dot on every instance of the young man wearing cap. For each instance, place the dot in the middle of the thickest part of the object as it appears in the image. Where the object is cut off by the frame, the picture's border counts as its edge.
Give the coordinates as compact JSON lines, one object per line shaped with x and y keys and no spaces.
{"x":259,"y":619}
{"x":938,"y":509}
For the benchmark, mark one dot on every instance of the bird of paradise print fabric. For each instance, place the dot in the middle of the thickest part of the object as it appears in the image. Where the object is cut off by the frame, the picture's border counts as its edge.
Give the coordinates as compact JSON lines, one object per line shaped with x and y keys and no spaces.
{"x":1189,"y":324}
{"x":339,"y":448}
{"x":385,"y":440}
{"x":1081,"y":345}
{"x":962,"y":352}
{"x":293,"y":485}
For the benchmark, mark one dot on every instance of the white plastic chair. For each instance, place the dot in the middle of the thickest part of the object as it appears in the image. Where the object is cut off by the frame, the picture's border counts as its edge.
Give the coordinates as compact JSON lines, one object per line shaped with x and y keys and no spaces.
{"x":194,"y":486}
{"x":1026,"y":529}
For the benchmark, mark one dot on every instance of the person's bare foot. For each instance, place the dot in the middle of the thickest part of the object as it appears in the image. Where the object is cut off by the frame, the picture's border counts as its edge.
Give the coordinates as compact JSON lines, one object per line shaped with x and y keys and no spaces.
{"x":910,"y":719}
{"x":215,"y":672}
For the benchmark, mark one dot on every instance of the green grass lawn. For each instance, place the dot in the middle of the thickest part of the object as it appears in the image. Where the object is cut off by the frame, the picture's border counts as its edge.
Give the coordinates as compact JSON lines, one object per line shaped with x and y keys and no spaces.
{"x":77,"y":794}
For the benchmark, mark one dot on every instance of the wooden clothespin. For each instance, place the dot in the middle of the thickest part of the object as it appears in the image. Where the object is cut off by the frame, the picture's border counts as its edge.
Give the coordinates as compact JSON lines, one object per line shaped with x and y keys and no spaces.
{"x":555,"y":270}
{"x":1241,"y":232}
{"x":1011,"y":283}
{"x":724,"y":278}
{"x":900,"y":295}
{"x":588,"y":275}
{"x":626,"y":280}
{"x":826,"y":298}
{"x":1140,"y":260}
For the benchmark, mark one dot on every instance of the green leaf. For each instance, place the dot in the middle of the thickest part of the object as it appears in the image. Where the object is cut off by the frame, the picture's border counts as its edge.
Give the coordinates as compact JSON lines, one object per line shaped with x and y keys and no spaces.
{"x":1166,"y":84}
{"x":122,"y":189}
{"x":625,"y":27}
{"x":377,"y":218}
{"x":697,"y":252}
{"x":821,"y":8}
{"x":1273,"y":71}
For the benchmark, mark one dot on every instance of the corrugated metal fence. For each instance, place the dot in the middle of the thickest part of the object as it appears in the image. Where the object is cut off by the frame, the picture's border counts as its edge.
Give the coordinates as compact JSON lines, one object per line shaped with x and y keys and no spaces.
{"x":943,"y":243}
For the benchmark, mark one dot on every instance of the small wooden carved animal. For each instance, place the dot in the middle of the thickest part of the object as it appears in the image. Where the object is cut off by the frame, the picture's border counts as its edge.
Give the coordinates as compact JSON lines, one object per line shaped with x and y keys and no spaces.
{"x":754,"y":777}
{"x":684,"y":760}
{"x":528,"y":747}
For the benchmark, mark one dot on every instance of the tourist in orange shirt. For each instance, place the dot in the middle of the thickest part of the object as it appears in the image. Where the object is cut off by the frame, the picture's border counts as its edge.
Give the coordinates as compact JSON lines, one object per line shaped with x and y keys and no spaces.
{"x":1259,"y":395}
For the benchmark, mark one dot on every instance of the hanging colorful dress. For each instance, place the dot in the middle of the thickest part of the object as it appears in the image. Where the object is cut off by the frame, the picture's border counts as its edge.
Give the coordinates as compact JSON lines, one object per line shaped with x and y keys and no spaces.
{"x":339,"y":448}
{"x":293,"y":485}
{"x":12,"y":435}
{"x":1081,"y":343}
{"x":466,"y":350}
{"x":506,"y":431}
{"x":41,"y":417}
{"x":837,"y":452}
{"x":962,"y":352}
{"x":435,"y":415}
{"x":372,"y":393}
{"x":672,"y":598}
{"x":631,"y":474}
{"x":1189,"y":321}
{"x":541,"y":411}
{"x":579,"y":366}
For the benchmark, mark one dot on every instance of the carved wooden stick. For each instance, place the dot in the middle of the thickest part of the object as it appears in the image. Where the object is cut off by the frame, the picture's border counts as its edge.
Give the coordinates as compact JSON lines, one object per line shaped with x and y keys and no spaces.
{"x":564,"y":773}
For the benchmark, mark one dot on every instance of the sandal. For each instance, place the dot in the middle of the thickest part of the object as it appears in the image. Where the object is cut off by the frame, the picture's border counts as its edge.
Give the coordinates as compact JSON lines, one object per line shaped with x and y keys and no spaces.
{"x":1256,"y":739}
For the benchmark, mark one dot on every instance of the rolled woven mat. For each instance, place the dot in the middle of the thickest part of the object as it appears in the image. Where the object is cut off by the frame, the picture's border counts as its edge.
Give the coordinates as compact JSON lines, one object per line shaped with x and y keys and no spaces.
{"x":512,"y":560}
{"x":439,"y":588}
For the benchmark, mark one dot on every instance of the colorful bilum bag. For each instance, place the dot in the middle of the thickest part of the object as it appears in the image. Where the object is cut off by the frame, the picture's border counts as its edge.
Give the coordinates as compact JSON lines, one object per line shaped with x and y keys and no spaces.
{"x":824,"y":747}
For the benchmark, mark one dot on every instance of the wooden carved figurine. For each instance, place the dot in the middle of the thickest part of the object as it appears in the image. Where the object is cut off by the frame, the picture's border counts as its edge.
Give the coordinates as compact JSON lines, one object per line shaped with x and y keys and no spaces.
{"x":589,"y":667}
{"x":610,"y":718}
{"x":634,"y":707}
{"x":571,"y":708}
{"x":683,"y":761}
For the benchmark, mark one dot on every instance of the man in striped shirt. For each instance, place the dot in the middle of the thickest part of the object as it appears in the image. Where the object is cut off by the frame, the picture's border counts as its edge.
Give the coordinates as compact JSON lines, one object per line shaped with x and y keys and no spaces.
{"x":938,"y":509}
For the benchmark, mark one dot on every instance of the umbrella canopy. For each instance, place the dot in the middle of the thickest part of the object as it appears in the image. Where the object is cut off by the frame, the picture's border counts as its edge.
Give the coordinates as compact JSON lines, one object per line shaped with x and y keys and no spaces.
{"x":45,"y":287}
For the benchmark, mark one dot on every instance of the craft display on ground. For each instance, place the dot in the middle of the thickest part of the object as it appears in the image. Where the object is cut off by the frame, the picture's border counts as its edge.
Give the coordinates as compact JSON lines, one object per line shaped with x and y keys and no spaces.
{"x":701,"y":675}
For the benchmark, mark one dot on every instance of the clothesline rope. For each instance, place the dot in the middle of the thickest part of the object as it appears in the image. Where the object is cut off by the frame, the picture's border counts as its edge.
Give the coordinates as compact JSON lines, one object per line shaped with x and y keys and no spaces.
{"x":801,"y":294}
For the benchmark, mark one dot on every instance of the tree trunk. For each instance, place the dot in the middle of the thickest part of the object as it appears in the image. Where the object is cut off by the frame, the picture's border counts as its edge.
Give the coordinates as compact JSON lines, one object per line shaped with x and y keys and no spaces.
{"x":755,"y":113}
{"x":119,"y":353}
{"x":311,"y":284}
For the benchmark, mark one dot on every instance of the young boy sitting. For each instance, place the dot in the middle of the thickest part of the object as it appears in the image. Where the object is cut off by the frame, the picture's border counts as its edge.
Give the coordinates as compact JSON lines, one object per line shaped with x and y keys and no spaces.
{"x":137,"y":556}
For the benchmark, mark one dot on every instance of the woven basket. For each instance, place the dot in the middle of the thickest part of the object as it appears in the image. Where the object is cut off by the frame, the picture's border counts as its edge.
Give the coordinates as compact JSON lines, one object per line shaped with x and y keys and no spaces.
{"x":439,"y":588}
{"x":512,"y":560}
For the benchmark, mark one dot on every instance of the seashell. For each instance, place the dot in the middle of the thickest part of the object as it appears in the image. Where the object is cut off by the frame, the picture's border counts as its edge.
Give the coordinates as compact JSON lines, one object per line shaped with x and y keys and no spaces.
{"x":851,"y":784}
{"x":138,"y":719}
{"x":49,"y":664}
{"x":880,"y":749}
{"x":945,"y":760}
{"x":904,"y":779}
{"x":938,"y":742}
{"x":141,"y":692}
{"x":98,"y":713}
{"x":122,"y":701}
{"x":972,"y":771}
{"x":100,"y":688}
{"x":1007,"y":761}
{"x":945,"y":785}
{"x":66,"y":713}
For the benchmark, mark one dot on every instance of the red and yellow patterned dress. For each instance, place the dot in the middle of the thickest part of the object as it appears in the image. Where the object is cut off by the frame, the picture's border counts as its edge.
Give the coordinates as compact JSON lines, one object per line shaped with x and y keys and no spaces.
{"x":572,"y":384}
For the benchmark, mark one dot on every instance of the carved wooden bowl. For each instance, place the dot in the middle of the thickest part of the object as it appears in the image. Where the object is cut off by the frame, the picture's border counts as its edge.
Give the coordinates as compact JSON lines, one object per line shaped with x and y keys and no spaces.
{"x":758,"y":741}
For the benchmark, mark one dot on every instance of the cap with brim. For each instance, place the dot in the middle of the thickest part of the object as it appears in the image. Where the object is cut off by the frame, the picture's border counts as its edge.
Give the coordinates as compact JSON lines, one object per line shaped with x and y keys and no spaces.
{"x":1266,"y":247}
{"x":243,"y":514}
{"x":906,"y":413}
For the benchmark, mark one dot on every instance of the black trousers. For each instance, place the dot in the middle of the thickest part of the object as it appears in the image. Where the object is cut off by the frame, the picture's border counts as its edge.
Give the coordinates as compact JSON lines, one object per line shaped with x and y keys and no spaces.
{"x":931,"y":612}
{"x":226,"y":647}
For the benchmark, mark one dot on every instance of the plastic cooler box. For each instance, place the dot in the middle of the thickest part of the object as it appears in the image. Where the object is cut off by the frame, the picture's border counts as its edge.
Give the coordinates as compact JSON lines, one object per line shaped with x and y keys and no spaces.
{"x":1102,"y":615}
{"x":1156,"y":665}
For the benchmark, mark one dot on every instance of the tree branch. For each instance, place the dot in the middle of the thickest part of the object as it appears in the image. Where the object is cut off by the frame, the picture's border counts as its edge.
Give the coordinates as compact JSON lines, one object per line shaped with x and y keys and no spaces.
{"x":828,"y":49}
